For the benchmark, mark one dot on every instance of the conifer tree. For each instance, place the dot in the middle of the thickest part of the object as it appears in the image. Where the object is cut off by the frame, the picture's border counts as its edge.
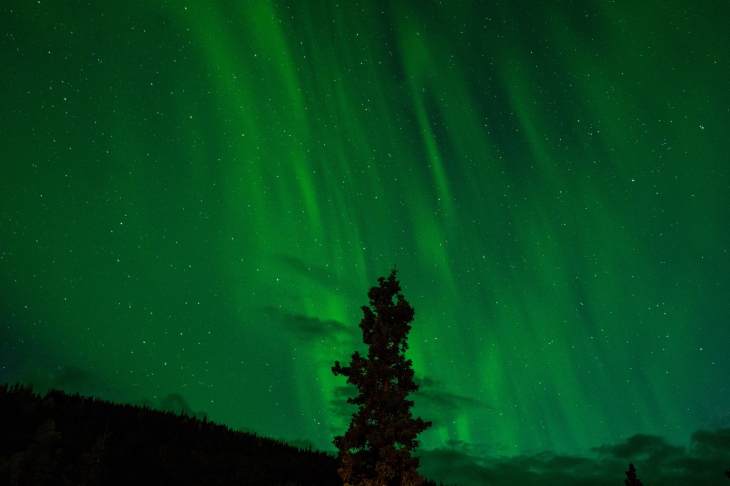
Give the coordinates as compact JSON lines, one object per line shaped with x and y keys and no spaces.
{"x":376,"y":449}
{"x":631,"y":479}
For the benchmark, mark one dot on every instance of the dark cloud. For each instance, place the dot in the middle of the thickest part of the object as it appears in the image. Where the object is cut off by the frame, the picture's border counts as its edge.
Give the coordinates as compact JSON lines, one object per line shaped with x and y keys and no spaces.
{"x":68,"y":377}
{"x":74,"y":379}
{"x":641,"y":447}
{"x":307,"y":328}
{"x":658,"y":463}
{"x":711,"y":443}
{"x":441,"y":404}
{"x":172,"y":402}
{"x":175,"y":403}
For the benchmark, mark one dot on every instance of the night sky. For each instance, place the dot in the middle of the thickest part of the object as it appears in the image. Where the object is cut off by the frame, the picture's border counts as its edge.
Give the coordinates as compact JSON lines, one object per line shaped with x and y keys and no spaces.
{"x":196,"y":196}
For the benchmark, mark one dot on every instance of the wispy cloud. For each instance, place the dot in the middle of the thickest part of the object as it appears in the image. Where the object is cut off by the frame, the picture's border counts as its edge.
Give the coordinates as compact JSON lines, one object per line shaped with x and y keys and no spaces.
{"x":308,"y":328}
{"x":434,"y":394}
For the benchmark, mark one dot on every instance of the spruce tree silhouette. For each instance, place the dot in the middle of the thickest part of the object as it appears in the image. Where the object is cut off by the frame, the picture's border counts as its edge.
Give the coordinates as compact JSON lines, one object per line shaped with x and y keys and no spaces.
{"x":376,"y":449}
{"x":631,"y":479}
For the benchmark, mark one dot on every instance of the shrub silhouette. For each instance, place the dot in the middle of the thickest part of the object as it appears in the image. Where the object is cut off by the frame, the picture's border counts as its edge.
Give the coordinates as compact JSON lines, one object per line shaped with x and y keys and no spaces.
{"x":376,"y":449}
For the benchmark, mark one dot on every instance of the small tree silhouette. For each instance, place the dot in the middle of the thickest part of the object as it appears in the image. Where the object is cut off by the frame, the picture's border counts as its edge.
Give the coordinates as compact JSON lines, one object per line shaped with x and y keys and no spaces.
{"x":631,"y":479}
{"x":376,"y":449}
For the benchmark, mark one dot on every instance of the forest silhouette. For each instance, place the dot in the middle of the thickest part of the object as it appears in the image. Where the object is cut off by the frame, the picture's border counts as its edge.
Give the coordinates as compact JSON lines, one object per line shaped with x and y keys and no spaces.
{"x":61,"y":439}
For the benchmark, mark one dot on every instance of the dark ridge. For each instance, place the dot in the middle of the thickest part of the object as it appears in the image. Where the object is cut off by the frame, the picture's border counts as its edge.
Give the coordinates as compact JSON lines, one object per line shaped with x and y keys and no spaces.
{"x":60,"y":439}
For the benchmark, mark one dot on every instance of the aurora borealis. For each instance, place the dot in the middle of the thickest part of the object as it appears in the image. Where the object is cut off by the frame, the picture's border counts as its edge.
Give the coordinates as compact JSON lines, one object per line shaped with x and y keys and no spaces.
{"x":196,"y":196}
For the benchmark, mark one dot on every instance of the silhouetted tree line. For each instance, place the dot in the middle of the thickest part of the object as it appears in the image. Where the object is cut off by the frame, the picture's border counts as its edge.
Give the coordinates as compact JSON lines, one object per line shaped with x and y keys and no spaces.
{"x":60,"y":439}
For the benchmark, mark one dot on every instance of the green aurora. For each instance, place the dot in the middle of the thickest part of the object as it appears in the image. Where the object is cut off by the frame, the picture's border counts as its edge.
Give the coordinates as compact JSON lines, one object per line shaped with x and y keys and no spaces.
{"x":196,"y":196}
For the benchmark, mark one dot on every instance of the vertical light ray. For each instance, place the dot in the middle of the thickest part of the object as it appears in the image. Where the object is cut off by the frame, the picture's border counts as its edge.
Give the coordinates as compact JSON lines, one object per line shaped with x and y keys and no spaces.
{"x":552,"y":183}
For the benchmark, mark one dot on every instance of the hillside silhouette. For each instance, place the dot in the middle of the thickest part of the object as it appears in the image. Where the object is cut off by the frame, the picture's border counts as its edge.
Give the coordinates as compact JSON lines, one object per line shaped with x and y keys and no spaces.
{"x":63,"y":439}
